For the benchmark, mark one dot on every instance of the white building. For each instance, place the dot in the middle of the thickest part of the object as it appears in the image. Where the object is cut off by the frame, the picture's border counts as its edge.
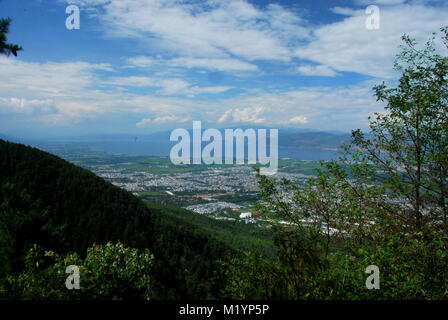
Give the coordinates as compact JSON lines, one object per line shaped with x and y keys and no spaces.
{"x":245,"y":215}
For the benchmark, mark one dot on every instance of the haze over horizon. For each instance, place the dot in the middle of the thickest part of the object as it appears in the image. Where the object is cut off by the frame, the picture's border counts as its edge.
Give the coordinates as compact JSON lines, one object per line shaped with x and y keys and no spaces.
{"x":139,"y":67}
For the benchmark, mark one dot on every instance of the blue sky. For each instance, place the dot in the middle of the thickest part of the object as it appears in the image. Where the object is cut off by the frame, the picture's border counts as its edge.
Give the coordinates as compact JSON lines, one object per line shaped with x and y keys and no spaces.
{"x":150,"y":65}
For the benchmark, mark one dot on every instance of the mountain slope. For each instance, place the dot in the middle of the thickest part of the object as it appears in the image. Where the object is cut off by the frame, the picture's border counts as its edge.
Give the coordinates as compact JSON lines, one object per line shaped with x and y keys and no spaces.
{"x":76,"y":209}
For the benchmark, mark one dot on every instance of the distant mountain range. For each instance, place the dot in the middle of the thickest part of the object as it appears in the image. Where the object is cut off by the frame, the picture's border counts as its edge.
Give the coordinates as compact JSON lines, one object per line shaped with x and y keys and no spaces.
{"x":301,"y":144}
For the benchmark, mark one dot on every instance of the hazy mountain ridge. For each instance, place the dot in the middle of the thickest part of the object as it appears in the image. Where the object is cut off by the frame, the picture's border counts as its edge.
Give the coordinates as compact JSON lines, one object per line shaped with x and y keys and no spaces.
{"x":300,"y":144}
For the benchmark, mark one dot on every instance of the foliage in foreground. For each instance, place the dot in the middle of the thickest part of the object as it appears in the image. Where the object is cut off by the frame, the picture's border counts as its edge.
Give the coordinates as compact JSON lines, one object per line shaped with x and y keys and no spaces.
{"x":383,"y":203}
{"x":110,"y":271}
{"x":47,"y":201}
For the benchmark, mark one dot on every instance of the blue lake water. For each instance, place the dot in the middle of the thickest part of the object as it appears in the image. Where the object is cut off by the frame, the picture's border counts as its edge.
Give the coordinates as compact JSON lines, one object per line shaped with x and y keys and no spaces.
{"x":162,"y":148}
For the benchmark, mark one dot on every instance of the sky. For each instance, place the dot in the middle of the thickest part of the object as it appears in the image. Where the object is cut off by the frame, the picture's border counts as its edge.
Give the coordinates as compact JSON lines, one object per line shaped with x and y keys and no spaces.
{"x":139,"y":66}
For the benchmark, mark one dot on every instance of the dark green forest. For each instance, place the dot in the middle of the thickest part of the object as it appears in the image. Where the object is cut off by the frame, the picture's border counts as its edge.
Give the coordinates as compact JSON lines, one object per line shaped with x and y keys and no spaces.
{"x":51,"y":203}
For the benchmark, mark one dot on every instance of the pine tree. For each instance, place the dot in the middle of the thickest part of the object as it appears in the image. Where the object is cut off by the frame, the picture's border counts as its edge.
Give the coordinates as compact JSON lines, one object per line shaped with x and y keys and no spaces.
{"x":7,"y":48}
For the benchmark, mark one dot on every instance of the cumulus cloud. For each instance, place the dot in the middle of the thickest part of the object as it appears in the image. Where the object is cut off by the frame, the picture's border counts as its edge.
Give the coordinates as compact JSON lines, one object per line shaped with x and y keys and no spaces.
{"x":327,"y":108}
{"x":65,"y":93}
{"x":141,"y":62}
{"x":298,"y":120}
{"x":48,"y":89}
{"x":145,"y":122}
{"x":345,"y":11}
{"x":348,"y":46}
{"x":243,"y":115}
{"x":224,"y":36}
{"x":231,"y":35}
{"x":50,"y":79}
{"x":206,"y":29}
{"x":167,"y":86}
{"x":26,"y":106}
{"x":226,"y":64}
{"x":380,"y":2}
{"x":319,"y":70}
{"x":214,"y":64}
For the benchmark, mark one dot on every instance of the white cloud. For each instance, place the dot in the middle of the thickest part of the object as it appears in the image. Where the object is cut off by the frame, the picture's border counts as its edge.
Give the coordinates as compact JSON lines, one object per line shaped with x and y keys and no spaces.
{"x":167,"y":86}
{"x":51,"y":90}
{"x":206,"y":29}
{"x":319,"y":70}
{"x":162,"y":119}
{"x":64,"y":93}
{"x":298,"y":120}
{"x":181,"y":87}
{"x":348,"y":46}
{"x":226,"y":64}
{"x":134,"y":81}
{"x":243,"y":115}
{"x":326,"y":108}
{"x":87,"y":2}
{"x":141,"y":62}
{"x":26,"y":106}
{"x":208,"y":90}
{"x":230,"y":35}
{"x":217,"y":64}
{"x":380,"y":2}
{"x":50,"y":79}
{"x":345,"y":11}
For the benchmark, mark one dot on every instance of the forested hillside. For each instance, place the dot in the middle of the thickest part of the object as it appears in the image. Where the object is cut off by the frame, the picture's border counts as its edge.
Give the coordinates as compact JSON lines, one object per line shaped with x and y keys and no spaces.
{"x":50,"y":202}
